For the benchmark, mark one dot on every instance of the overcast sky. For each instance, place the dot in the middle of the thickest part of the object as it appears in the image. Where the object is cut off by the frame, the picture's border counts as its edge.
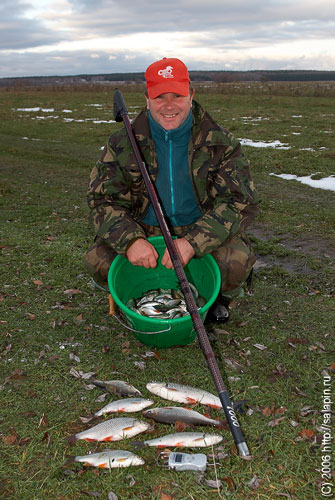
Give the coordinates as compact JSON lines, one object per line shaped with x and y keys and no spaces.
{"x":70,"y":37}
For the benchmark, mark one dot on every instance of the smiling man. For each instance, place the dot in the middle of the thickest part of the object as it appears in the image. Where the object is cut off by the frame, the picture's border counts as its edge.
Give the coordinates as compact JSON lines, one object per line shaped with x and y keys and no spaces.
{"x":202,"y":179}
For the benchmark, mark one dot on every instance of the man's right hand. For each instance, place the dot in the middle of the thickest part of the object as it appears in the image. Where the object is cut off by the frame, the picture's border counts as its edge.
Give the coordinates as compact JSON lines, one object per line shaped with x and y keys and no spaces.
{"x":142,"y":253}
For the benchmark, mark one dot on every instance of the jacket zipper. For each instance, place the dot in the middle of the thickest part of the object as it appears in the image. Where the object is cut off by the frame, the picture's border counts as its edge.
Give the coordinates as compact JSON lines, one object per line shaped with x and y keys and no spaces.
{"x":171,"y":177}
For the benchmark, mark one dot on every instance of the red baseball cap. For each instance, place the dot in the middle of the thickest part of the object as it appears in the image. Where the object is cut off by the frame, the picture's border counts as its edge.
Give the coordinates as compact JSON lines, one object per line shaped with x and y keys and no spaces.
{"x":167,"y":75}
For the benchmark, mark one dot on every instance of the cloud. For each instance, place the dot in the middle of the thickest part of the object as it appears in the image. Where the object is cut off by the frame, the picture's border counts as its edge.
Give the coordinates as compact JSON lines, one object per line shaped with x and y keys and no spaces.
{"x":93,"y":36}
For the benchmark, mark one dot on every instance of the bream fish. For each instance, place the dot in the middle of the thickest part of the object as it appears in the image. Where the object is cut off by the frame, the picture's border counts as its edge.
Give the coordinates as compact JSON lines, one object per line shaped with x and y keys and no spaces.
{"x":110,"y":459}
{"x":113,"y":430}
{"x":183,"y":440}
{"x":126,"y":405}
{"x":173,"y":414}
{"x":118,"y":387}
{"x":184,"y":394}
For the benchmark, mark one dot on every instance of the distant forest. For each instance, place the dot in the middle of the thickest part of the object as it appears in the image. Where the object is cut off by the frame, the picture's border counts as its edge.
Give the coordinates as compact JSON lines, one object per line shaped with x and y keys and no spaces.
{"x":196,"y":76}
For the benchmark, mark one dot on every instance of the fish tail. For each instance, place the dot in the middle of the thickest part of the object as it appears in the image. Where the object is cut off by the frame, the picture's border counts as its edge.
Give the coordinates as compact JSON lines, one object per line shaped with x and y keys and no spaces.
{"x":222,"y":424}
{"x":71,"y":439}
{"x":69,"y":459}
{"x":138,"y":444}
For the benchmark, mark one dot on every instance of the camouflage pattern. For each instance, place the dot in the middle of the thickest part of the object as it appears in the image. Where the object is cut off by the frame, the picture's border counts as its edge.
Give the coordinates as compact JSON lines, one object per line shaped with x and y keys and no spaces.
{"x":235,"y":259}
{"x":220,"y":175}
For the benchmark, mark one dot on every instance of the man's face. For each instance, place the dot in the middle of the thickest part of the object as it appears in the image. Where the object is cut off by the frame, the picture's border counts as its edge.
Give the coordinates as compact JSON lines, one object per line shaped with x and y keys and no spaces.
{"x":170,"y":110}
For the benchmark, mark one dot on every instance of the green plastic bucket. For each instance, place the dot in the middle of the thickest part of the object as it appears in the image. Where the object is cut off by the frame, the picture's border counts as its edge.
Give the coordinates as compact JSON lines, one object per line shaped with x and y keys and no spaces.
{"x":126,"y":281}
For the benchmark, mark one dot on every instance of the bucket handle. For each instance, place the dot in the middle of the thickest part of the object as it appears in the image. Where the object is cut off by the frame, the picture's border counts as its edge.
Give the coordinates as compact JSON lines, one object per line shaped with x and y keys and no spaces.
{"x":139,"y":331}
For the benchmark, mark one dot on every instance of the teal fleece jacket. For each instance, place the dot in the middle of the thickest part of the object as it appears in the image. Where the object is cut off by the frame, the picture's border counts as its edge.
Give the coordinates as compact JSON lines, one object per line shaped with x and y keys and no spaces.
{"x":173,"y":185}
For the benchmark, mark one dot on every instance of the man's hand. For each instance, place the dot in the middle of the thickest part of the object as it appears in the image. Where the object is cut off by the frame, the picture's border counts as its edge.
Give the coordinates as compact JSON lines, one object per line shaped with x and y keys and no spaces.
{"x":185,"y":252}
{"x":142,"y":253}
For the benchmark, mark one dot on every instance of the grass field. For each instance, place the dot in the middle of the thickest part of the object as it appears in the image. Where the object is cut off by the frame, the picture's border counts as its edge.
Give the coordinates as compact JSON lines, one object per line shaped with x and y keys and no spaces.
{"x":277,"y":352}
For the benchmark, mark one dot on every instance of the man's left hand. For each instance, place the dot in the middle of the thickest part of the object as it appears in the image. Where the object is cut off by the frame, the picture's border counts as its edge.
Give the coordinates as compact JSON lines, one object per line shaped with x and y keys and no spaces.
{"x":185,"y":252}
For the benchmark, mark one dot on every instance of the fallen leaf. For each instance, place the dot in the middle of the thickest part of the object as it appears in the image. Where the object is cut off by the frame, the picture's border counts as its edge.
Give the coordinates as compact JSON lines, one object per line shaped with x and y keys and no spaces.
{"x":74,"y":357}
{"x":306,"y":433}
{"x":11,"y":438}
{"x":261,"y":347}
{"x":72,"y":291}
{"x":112,"y":496}
{"x":213,"y":484}
{"x":229,"y":482}
{"x":43,"y":421}
{"x":140,"y":365}
{"x":164,"y":496}
{"x":38,"y":282}
{"x":180,"y":426}
{"x":15,"y":375}
{"x":275,"y":422}
{"x":254,"y":483}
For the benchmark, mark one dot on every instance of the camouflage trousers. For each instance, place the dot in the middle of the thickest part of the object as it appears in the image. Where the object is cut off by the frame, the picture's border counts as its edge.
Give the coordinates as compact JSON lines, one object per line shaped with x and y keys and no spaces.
{"x":234,"y":257}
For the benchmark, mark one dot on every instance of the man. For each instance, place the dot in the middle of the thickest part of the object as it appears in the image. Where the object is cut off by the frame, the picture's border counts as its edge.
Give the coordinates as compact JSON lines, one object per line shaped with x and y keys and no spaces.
{"x":202,"y":179}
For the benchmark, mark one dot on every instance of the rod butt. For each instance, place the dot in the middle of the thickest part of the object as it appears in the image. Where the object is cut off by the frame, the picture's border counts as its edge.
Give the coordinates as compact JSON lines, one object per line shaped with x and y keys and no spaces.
{"x":243,"y":449}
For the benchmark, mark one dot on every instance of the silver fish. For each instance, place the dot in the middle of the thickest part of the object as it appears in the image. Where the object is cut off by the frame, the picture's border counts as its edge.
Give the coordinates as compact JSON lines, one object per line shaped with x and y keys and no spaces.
{"x":110,"y":459}
{"x":163,"y":303}
{"x":184,"y":394}
{"x":126,"y":405}
{"x":117,"y":387}
{"x":113,"y":430}
{"x":173,"y":414}
{"x":185,"y":440}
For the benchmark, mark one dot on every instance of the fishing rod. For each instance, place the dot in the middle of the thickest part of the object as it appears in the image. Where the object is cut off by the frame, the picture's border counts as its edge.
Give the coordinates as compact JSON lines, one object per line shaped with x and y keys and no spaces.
{"x":121,"y":114}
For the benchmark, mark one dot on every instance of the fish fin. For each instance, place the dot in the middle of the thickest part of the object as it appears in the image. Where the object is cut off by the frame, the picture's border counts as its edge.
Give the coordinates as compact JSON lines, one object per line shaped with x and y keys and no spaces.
{"x":215,"y":407}
{"x":102,"y":466}
{"x":108,"y":438}
{"x":191,"y":400}
{"x":128,"y":428}
{"x":90,"y":440}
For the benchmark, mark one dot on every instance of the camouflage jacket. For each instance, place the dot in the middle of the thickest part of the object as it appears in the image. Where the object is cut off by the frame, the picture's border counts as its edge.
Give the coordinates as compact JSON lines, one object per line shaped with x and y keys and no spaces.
{"x":219,"y":171}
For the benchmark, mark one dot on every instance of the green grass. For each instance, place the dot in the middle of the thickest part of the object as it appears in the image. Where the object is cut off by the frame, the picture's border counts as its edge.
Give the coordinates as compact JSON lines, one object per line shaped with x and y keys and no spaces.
{"x":291,"y":312}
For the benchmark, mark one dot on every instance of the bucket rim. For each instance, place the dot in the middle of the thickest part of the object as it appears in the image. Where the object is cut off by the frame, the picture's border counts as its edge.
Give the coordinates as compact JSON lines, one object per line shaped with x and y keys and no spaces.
{"x":153,"y":321}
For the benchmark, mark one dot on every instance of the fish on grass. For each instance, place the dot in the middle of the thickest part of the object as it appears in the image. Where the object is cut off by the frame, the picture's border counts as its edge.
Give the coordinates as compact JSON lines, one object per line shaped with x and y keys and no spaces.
{"x":110,"y":459}
{"x":127,"y":405}
{"x":114,"y":429}
{"x":119,"y":387}
{"x":184,"y":394}
{"x":182,"y":440}
{"x":173,"y":414}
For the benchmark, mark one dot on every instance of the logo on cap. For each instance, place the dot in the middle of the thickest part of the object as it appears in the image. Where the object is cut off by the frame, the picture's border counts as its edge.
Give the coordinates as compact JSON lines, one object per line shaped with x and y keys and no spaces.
{"x":166,"y":73}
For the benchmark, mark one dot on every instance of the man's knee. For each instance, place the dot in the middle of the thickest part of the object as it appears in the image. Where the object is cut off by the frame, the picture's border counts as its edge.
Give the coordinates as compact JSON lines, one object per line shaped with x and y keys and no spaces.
{"x":98,"y":259}
{"x":235,"y":259}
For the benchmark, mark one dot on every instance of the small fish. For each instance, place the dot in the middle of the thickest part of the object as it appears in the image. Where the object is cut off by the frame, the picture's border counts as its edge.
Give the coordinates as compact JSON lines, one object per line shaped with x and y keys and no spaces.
{"x":183,"y":440}
{"x":173,"y":414}
{"x":184,"y":394}
{"x":110,"y":459}
{"x":164,"y":303}
{"x":127,"y":405}
{"x":118,"y":387}
{"x":113,"y":430}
